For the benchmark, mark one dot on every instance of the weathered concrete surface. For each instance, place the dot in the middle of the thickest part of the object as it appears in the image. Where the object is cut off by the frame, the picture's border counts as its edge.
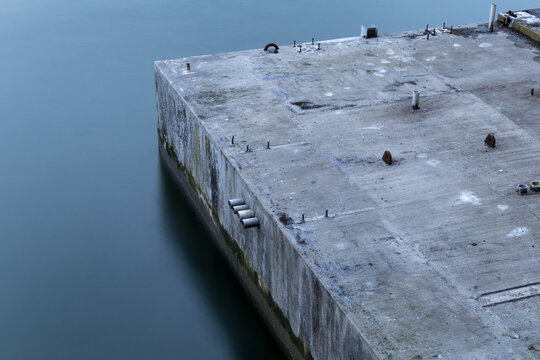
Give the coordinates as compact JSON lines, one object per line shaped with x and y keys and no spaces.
{"x":436,"y":255}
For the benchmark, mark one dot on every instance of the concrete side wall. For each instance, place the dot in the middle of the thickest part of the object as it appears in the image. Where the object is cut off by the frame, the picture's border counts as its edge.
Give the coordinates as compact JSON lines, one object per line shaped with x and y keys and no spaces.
{"x":301,"y":312}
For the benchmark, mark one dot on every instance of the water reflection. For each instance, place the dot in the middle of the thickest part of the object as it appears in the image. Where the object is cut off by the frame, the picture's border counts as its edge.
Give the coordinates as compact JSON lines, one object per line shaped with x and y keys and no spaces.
{"x":215,"y":282}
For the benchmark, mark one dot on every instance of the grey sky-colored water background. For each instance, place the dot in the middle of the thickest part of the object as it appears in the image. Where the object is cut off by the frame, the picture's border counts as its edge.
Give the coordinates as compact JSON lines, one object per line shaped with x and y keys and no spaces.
{"x":100,"y":256}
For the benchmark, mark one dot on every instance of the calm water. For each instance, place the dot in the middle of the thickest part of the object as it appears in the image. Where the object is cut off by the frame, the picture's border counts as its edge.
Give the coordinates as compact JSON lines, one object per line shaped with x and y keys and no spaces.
{"x":100,"y":257}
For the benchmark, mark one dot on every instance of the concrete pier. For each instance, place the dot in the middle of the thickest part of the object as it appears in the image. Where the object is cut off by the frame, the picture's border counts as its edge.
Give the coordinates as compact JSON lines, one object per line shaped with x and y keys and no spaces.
{"x":433,"y":256}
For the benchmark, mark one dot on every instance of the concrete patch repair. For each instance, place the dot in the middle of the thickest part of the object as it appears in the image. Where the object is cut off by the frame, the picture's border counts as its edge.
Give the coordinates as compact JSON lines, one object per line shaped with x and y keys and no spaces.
{"x":377,"y":196}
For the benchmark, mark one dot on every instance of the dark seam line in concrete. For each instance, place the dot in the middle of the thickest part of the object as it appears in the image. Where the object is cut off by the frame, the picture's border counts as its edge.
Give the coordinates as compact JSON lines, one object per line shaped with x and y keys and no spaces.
{"x":511,"y":300}
{"x":512,"y":288}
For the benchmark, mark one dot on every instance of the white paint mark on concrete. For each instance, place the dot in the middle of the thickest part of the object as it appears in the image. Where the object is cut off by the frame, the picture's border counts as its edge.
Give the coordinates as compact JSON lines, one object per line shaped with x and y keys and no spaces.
{"x":502,"y":207}
{"x":485,"y":45}
{"x":422,"y":156}
{"x":384,"y":61}
{"x":457,"y":45}
{"x":328,"y":94}
{"x":347,"y":88}
{"x":340,"y":246}
{"x":433,"y":162}
{"x":404,"y":59}
{"x":467,"y":197}
{"x":400,"y":69}
{"x":431,"y":58}
{"x":390,"y":52}
{"x":378,"y":74}
{"x":374,"y":127}
{"x":517,"y":232}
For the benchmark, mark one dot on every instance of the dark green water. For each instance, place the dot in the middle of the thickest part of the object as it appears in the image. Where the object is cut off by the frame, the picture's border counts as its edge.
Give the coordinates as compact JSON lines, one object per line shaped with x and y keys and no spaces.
{"x":100,"y":257}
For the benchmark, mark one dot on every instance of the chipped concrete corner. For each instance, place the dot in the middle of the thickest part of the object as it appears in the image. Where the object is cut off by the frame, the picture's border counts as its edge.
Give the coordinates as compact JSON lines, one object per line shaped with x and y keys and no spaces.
{"x":433,"y":255}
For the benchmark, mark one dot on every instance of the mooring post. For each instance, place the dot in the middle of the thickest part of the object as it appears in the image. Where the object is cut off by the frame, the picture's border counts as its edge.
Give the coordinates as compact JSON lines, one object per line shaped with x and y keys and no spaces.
{"x":492,"y":17}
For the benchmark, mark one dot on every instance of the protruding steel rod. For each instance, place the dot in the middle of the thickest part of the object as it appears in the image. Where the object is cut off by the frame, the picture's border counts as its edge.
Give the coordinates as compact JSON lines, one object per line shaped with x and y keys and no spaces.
{"x":451,"y":29}
{"x":444,"y":25}
{"x":236,"y":202}
{"x":415,"y":99}
{"x":532,"y":91}
{"x":268,"y":144}
{"x":188,"y":66}
{"x":300,"y":47}
{"x":247,"y":148}
{"x":303,"y":218}
{"x":312,"y":41}
{"x":250,"y":222}
{"x":318,"y":46}
{"x":232,"y":140}
{"x":428,"y":35}
{"x":326,"y":213}
{"x":492,"y":13}
{"x":294,"y":43}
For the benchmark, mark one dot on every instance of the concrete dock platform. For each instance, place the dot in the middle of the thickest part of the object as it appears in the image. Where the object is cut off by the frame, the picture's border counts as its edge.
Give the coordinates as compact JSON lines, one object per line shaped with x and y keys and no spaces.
{"x":434,"y":256}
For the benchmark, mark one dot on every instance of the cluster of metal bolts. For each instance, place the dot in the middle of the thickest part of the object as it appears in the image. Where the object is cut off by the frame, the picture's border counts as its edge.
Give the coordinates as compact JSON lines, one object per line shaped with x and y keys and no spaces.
{"x":428,"y":32}
{"x":312,"y":43}
{"x":304,"y":216}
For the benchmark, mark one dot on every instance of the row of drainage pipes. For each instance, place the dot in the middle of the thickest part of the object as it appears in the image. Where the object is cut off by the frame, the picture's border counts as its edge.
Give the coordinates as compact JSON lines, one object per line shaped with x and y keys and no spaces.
{"x":245,"y":214}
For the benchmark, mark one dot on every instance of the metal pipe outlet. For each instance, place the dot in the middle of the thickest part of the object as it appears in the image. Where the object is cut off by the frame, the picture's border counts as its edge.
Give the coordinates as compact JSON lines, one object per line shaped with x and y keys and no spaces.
{"x":243,"y":214}
{"x":240,"y":207}
{"x":250,"y":222}
{"x":236,"y":202}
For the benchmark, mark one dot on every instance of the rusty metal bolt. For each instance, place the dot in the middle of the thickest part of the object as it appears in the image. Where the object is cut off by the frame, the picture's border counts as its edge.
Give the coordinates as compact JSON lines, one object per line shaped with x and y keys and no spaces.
{"x":387,"y":157}
{"x":522,"y":189}
{"x":188,"y":66}
{"x":490,"y":140}
{"x":276,"y":48}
